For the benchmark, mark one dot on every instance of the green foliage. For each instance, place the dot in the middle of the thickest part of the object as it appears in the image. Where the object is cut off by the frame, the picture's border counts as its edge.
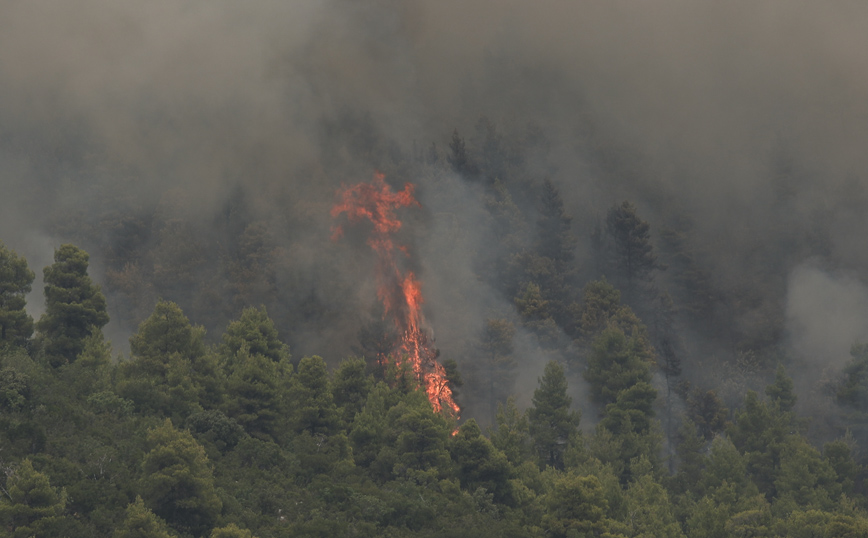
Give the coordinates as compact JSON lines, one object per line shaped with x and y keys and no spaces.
{"x":31,"y":506}
{"x":481,"y":465}
{"x":601,"y":303}
{"x":397,"y":432}
{"x":14,"y":389}
{"x":707,"y":412}
{"x":177,"y":482}
{"x":74,"y":306}
{"x":253,"y":394}
{"x":805,"y":479}
{"x":215,"y":428}
{"x":760,"y":432}
{"x":616,"y":364}
{"x":536,"y":314}
{"x":552,"y":423}
{"x":650,"y":509}
{"x":350,"y":386}
{"x":140,"y":522}
{"x":577,"y":506}
{"x":854,"y":391}
{"x":166,"y":331}
{"x":312,"y":406}
{"x":16,"y":278}
{"x":781,"y":391}
{"x":231,"y":531}
{"x":839,"y":453}
{"x":171,"y":372}
{"x":255,"y":330}
{"x":512,"y":435}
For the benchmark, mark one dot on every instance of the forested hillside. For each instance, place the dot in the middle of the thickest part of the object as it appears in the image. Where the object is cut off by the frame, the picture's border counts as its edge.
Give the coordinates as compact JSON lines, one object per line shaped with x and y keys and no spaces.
{"x":382,"y":268}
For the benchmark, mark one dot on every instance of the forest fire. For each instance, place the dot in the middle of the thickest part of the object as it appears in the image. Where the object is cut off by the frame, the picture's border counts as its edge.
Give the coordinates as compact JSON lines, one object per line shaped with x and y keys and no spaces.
{"x":399,"y":291}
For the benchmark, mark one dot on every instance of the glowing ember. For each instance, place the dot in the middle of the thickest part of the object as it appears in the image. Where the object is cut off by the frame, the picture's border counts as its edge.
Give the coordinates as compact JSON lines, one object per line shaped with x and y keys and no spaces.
{"x":400,"y":293}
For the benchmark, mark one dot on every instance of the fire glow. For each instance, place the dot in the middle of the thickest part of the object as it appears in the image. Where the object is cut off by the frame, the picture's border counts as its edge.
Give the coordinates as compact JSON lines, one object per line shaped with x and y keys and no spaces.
{"x":399,"y":291}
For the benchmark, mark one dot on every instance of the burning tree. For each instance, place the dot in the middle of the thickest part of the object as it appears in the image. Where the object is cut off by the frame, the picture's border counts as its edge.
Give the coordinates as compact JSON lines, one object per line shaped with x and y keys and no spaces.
{"x":398,"y":290}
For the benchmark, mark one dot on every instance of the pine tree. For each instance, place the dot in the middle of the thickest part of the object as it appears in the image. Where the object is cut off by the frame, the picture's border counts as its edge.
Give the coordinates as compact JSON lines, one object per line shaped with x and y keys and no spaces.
{"x":257,"y":331}
{"x":253,"y":394}
{"x":177,"y":482}
{"x":552,"y":423}
{"x":480,"y":464}
{"x":781,"y":391}
{"x":577,"y":506}
{"x":512,"y":435}
{"x":350,"y":386}
{"x":74,"y":306}
{"x":616,"y":363}
{"x":649,"y":506}
{"x":16,"y":325}
{"x":631,"y":256}
{"x":140,"y":522}
{"x":31,"y":506}
{"x":312,"y":405}
{"x":171,"y":371}
{"x":554,"y":236}
{"x":498,"y":364}
{"x":458,"y":154}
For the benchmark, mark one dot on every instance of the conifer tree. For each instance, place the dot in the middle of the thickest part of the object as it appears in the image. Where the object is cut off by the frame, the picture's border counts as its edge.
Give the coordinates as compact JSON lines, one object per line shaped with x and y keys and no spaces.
{"x":616,"y":364}
{"x":499,"y":365}
{"x":554,"y":238}
{"x":177,"y":482}
{"x":552,"y":423}
{"x":313,"y":406}
{"x":171,"y":371}
{"x":74,"y":306}
{"x":577,"y":506}
{"x":257,"y":331}
{"x":350,"y":386}
{"x":140,"y":522}
{"x":631,"y":256}
{"x":649,"y":506}
{"x":16,"y":325}
{"x":781,"y":391}
{"x":31,"y":506}
{"x":512,"y":435}
{"x":254,"y":394}
{"x":480,"y":464}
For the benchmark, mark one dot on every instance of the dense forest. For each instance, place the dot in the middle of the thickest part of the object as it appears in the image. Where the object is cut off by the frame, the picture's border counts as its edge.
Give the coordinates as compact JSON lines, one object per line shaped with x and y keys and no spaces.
{"x":635,"y":236}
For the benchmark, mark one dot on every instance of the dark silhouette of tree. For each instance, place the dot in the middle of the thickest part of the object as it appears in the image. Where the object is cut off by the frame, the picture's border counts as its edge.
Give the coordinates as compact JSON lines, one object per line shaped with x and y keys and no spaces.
{"x":74,"y":306}
{"x":781,"y":391}
{"x":555,"y":239}
{"x":16,"y":325}
{"x":457,"y":157}
{"x":499,"y":364}
{"x":631,"y":257}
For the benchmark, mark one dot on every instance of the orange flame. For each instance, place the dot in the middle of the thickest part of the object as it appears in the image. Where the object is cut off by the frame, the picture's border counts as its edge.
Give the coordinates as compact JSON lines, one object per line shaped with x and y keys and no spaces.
{"x":401,"y":294}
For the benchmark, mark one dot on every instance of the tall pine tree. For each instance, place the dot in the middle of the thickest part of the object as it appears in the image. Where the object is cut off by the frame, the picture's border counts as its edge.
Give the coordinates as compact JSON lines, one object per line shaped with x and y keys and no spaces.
{"x":74,"y":306}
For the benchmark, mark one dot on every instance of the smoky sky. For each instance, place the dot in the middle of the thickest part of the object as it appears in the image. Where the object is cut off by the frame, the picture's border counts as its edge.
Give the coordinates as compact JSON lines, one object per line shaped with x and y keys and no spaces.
{"x":749,"y":118}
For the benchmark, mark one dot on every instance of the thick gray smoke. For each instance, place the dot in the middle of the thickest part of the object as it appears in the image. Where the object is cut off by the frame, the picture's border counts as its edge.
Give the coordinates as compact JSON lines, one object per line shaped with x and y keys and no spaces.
{"x":826,"y":314}
{"x":747,"y":118}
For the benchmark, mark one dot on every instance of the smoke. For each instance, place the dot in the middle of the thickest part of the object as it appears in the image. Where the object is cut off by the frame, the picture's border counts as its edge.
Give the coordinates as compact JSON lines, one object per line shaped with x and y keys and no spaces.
{"x":746,"y":118}
{"x":826,"y":314}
